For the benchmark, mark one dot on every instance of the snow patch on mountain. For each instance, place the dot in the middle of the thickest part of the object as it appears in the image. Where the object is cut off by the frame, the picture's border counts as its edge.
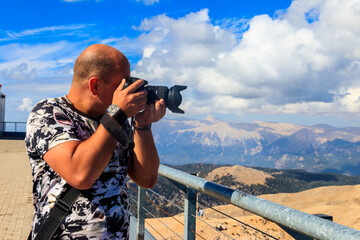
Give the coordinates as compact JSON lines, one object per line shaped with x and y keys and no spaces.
{"x":220,"y":133}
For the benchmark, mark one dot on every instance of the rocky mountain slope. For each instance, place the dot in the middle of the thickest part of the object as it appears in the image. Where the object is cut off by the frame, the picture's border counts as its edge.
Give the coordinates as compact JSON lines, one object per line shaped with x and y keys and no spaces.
{"x":240,"y":174}
{"x":318,"y":148}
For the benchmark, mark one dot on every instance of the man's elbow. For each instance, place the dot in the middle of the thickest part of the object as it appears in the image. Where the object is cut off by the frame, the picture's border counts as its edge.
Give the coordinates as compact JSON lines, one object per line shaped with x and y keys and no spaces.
{"x":81,"y":183}
{"x":148,"y":182}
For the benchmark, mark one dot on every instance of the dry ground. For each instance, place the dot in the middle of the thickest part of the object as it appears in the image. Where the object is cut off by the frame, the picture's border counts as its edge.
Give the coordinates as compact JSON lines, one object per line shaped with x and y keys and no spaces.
{"x":343,"y":203}
{"x":15,"y":190}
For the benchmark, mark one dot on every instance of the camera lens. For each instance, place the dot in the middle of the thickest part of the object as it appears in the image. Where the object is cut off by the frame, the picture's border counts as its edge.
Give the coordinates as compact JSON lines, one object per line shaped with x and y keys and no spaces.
{"x":172,"y":96}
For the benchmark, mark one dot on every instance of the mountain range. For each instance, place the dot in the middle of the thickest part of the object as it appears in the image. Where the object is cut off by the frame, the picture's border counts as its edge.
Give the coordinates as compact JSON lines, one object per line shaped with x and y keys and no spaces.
{"x":318,"y":148}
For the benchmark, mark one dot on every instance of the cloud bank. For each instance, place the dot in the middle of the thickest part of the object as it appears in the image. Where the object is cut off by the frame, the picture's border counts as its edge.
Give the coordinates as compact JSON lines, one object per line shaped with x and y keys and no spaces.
{"x":305,"y":60}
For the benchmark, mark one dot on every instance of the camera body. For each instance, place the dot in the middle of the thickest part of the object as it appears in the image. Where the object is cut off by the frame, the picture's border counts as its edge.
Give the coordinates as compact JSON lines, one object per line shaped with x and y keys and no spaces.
{"x":171,"y":96}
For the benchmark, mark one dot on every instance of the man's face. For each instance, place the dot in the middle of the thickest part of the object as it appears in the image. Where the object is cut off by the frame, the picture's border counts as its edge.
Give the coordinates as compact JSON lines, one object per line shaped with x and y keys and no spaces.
{"x":109,"y":88}
{"x":109,"y":85}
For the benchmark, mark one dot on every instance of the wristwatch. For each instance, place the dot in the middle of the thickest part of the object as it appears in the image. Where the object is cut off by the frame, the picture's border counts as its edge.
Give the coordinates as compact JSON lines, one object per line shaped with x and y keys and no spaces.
{"x":117,"y":114}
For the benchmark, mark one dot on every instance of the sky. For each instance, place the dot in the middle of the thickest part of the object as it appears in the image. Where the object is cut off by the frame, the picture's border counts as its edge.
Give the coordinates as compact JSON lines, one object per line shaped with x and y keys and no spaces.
{"x":242,"y":60}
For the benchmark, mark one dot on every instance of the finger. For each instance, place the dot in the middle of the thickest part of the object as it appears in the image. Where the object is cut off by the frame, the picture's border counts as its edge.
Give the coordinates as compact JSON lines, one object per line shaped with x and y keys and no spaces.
{"x":141,"y":94}
{"x":163,"y":108}
{"x":121,"y":85}
{"x":152,"y":112}
{"x":158,"y":110}
{"x":139,"y":98}
{"x":133,"y":87}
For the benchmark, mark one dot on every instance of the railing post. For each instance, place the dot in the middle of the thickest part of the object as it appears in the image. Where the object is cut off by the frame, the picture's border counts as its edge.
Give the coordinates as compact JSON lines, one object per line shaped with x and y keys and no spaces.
{"x":141,"y":214}
{"x":190,"y":213}
{"x":2,"y":128}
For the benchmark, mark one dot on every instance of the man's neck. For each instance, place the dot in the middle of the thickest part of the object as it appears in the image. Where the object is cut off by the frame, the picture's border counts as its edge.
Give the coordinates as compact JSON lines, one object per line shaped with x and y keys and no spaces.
{"x":81,"y":102}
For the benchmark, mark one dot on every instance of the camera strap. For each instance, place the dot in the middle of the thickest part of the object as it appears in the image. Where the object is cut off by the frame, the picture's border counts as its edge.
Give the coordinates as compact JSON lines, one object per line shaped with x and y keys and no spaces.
{"x":57,"y":214}
{"x":114,"y":129}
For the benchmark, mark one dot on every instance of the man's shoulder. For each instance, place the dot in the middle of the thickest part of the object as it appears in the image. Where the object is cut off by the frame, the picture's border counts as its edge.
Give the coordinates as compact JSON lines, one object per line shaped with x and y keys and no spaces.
{"x":47,"y":111}
{"x":48,"y":102}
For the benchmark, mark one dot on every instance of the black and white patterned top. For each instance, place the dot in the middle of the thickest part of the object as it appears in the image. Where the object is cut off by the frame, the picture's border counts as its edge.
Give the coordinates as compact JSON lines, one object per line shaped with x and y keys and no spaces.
{"x":101,"y":212}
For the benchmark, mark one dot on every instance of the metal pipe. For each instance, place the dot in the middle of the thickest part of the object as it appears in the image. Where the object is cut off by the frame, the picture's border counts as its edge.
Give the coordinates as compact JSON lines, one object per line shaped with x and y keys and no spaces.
{"x":299,"y":221}
{"x":141,"y":214}
{"x":189,"y":214}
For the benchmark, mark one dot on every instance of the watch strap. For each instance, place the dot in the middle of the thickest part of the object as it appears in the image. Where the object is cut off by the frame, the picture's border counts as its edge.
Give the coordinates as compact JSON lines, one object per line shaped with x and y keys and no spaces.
{"x":120,"y":117}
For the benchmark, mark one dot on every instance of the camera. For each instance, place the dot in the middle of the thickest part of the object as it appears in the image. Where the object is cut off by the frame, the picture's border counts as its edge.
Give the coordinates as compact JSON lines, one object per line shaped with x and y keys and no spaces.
{"x":171,"y":96}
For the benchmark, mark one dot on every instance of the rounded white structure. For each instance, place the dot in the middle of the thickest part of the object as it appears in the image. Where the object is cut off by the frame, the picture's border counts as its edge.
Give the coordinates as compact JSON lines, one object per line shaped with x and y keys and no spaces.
{"x":2,"y":112}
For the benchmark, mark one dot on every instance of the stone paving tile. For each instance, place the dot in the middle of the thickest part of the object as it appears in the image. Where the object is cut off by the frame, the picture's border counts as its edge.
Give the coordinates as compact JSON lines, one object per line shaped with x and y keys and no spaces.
{"x":16,"y":207}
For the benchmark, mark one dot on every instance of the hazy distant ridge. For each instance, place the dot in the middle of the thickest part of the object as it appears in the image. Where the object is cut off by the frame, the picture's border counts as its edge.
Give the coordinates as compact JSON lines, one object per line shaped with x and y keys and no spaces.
{"x":276,"y":145}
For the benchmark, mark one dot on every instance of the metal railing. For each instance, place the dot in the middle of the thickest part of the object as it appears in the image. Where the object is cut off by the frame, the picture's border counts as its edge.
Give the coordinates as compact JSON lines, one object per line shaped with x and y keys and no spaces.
{"x":303,"y":223}
{"x":13,"y":127}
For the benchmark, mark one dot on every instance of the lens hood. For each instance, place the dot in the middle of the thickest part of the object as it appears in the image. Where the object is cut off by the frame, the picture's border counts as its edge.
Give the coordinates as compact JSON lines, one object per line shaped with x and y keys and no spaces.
{"x":175,"y":98}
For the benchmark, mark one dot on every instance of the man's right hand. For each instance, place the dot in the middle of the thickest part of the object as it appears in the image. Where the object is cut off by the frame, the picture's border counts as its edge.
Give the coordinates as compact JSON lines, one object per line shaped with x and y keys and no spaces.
{"x":128,"y":100}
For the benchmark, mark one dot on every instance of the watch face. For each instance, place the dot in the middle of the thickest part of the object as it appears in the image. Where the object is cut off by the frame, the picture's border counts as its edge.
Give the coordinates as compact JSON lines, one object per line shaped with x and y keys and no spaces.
{"x":112,"y":109}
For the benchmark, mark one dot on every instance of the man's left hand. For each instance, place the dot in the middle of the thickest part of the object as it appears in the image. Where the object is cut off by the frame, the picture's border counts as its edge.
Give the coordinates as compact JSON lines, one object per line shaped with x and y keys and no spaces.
{"x":152,"y":113}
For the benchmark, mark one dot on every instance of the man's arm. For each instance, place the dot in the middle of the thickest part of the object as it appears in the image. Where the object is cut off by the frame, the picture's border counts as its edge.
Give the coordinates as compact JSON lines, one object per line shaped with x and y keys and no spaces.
{"x":81,"y":163}
{"x":144,"y":165}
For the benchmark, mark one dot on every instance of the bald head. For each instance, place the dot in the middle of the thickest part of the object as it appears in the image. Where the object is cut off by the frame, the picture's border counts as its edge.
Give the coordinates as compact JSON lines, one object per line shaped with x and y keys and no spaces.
{"x":100,"y":61}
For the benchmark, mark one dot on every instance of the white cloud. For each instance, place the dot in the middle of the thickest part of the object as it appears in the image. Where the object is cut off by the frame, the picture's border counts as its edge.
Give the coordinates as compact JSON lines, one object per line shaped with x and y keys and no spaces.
{"x":53,"y":32}
{"x":35,"y":71}
{"x":306,"y":60}
{"x":30,"y":32}
{"x":148,"y":2}
{"x":19,"y":72}
{"x":25,"y":61}
{"x":148,"y":51}
{"x":27,"y":105}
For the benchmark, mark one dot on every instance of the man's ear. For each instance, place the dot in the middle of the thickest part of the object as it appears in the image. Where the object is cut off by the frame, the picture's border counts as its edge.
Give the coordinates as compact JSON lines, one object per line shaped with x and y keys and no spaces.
{"x":93,"y":84}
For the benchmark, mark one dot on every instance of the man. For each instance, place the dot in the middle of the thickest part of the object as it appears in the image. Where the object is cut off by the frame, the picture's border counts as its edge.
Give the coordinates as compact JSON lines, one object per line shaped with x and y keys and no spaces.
{"x":78,"y":140}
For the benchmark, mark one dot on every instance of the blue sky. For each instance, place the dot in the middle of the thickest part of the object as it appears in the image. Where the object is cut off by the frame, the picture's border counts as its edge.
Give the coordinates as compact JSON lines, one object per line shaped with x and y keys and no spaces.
{"x":255,"y":60}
